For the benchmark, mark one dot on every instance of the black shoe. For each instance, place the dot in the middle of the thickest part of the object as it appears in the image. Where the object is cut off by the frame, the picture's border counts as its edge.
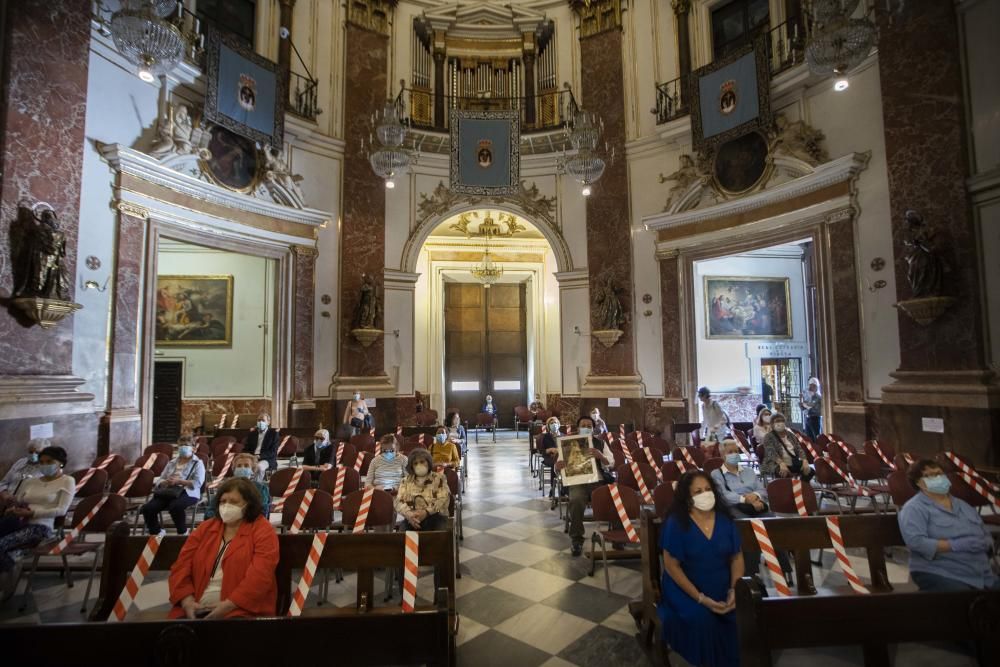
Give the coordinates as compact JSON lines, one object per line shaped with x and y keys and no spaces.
{"x":576,"y":551}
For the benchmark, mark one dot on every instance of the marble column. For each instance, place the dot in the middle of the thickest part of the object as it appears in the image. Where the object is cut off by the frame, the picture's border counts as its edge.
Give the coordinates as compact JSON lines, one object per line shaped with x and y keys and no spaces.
{"x":943,"y":372}
{"x":609,"y":239}
{"x":302,"y":409}
{"x":674,"y":406}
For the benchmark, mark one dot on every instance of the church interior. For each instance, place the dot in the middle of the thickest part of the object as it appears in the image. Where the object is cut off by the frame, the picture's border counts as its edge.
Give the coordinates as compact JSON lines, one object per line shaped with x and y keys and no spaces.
{"x":428,"y":332}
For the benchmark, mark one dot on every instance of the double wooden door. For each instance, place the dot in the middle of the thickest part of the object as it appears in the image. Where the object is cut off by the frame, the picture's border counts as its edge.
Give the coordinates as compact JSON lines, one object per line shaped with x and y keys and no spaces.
{"x":485,"y":348}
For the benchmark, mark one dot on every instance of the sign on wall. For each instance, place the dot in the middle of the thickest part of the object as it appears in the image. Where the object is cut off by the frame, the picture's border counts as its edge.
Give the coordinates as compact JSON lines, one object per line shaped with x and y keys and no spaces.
{"x":485,"y":152}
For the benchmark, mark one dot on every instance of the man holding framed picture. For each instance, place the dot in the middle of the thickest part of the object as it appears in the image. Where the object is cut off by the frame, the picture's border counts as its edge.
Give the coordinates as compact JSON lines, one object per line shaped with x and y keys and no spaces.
{"x":582,"y":466}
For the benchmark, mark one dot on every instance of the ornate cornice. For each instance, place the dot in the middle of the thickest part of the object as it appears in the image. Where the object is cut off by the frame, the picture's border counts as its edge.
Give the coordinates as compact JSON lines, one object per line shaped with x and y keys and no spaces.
{"x":130,"y":209}
{"x":530,"y":200}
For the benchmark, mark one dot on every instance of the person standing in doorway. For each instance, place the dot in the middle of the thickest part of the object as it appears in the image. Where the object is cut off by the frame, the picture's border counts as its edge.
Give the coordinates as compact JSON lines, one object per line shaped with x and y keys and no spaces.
{"x":766,"y":394}
{"x":812,"y":406}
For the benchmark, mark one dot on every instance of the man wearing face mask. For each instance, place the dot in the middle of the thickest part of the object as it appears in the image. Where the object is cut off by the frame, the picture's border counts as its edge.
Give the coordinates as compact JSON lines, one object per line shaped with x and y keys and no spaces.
{"x":319,"y":455}
{"x":23,"y":468}
{"x":549,"y":452}
{"x":263,"y":442}
{"x":579,"y":495}
{"x":949,"y":545}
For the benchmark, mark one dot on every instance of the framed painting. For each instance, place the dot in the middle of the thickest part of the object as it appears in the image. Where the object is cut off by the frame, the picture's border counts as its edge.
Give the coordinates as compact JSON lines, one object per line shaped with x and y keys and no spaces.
{"x":194,"y":311}
{"x":747,"y":307}
{"x":245,"y":92}
{"x":485,"y":152}
{"x":233,"y":162}
{"x":580,"y":468}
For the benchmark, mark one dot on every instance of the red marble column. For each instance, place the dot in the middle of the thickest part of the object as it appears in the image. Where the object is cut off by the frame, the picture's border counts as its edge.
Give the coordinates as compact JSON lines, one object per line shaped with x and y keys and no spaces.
{"x":609,"y":238}
{"x":673,"y":353}
{"x":302,"y":411}
{"x":41,"y":148}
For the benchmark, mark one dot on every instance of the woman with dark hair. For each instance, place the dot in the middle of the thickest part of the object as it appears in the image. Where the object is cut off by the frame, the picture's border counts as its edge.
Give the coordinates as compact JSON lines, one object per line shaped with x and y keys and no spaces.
{"x":226,"y":567}
{"x":702,"y":562}
{"x":456,"y":432}
{"x":443,"y":450}
{"x":29,"y":519}
{"x":424,"y":495}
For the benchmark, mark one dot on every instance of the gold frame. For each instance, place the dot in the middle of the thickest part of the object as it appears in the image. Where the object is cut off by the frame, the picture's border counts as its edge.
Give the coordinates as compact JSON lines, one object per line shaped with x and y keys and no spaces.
{"x":258,"y":172}
{"x":227,"y":342}
{"x":788,"y":307}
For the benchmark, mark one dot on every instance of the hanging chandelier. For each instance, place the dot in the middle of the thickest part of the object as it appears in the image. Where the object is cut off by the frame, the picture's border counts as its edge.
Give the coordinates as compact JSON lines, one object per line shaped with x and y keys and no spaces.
{"x":586,"y":165}
{"x":387,"y":156}
{"x":146,"y":38}
{"x":487,"y":271}
{"x":838,"y":43}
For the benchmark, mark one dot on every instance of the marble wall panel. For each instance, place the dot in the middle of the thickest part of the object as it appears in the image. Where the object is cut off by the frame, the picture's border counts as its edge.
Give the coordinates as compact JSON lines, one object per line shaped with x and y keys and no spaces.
{"x":846,"y":313}
{"x":927,"y":163}
{"x":76,"y":433}
{"x":125,"y":342}
{"x":968,"y":431}
{"x":670,"y":316}
{"x":193,"y":408}
{"x":41,"y":148}
{"x":363,"y":230}
{"x":609,"y":238}
{"x":302,"y":345}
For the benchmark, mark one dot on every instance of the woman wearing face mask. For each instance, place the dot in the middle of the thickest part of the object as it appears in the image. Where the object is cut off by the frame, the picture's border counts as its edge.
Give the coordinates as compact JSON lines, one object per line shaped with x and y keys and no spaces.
{"x":762,"y":426}
{"x":356,"y":413}
{"x":702,"y":562}
{"x":949,"y":545}
{"x":424,"y":495}
{"x":456,"y":432}
{"x":179,"y":488}
{"x":23,"y":468}
{"x":226,"y":567}
{"x":600,"y":428}
{"x":443,"y":451}
{"x":245,"y":467}
{"x":28,"y":521}
{"x":549,"y":452}
{"x":783,"y":456}
{"x":387,"y":469}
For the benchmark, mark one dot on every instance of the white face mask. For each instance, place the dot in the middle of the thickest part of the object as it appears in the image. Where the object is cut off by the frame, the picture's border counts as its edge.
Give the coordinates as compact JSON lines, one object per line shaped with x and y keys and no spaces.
{"x":357,"y":397}
{"x":230,"y":513}
{"x":705,"y":501}
{"x":421,"y":470}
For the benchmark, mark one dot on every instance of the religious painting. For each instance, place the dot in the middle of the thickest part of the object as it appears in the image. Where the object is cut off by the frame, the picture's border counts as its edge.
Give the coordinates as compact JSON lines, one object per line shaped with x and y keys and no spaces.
{"x":194,"y":311}
{"x":234,"y":161}
{"x":580,"y":468}
{"x":730,"y":97}
{"x":747,"y":307}
{"x":485,"y":152}
{"x":741,"y":163}
{"x":245,"y":91}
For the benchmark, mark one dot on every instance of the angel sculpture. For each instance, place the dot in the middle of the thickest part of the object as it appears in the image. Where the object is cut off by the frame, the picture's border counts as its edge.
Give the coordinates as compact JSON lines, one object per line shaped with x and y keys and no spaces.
{"x":686,"y":174}
{"x":38,"y":248}
{"x":609,"y":306}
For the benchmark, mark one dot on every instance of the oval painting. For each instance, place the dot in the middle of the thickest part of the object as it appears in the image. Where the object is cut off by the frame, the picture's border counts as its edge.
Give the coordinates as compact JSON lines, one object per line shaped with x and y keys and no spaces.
{"x":234,"y":160}
{"x":741,"y":163}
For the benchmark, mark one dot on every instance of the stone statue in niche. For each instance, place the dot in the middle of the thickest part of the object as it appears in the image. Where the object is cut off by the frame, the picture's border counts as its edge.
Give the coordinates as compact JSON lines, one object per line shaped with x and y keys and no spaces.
{"x":280,"y":182}
{"x":686,"y":174}
{"x":799,"y":140}
{"x":609,"y":307}
{"x":924,"y":267}
{"x":38,"y":248}
{"x":367,"y":313}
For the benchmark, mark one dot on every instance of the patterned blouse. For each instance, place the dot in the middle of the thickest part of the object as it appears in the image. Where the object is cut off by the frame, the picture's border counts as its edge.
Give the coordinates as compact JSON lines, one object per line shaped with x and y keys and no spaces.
{"x":431,"y":494}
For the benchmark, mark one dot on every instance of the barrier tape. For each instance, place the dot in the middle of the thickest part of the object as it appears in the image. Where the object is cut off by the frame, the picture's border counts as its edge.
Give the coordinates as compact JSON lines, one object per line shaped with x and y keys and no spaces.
{"x":150,"y":461}
{"x":222,"y":421}
{"x":980,"y":489}
{"x":90,"y":471}
{"x":833,"y":527}
{"x":132,"y":476}
{"x":280,"y":446}
{"x":358,"y":462}
{"x":399,"y":431}
{"x":73,"y":534}
{"x":308,"y":573}
{"x":236,"y":418}
{"x":969,"y":470}
{"x":289,"y":490}
{"x":638,"y":438}
{"x":844,"y":447}
{"x":411,"y":563}
{"x":882,"y":455}
{"x":229,"y":447}
{"x":654,"y":464}
{"x":800,"y":500}
{"x":808,"y":445}
{"x":647,"y":497}
{"x":217,"y":482}
{"x":300,"y":514}
{"x":739,"y":441}
{"x":366,"y":504}
{"x":627,"y":454}
{"x":687,"y":456}
{"x":134,"y":581}
{"x":420,"y":439}
{"x":621,"y":432}
{"x":770,"y":558}
{"x":378,"y":448}
{"x":847,"y":477}
{"x":371,"y":431}
{"x":908,"y":459}
{"x":616,"y":498}
{"x":340,"y":454}
{"x":681,"y":466}
{"x":338,"y":487}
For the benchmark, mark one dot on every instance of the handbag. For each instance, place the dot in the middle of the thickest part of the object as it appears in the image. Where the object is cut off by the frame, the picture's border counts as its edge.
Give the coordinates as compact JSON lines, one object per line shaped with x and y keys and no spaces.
{"x":356,"y":423}
{"x":172,"y":493}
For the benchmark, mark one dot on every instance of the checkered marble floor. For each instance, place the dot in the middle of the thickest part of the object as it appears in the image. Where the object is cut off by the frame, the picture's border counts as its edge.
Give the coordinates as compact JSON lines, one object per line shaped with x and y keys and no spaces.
{"x":522,"y":599}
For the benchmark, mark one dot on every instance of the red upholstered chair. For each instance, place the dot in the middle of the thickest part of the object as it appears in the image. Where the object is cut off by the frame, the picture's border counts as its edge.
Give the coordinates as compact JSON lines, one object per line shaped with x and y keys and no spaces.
{"x":219,"y":463}
{"x":381,"y":514}
{"x":278,"y":484}
{"x":365,"y":463}
{"x":426,"y":418}
{"x":163,"y":448}
{"x":328,"y":480}
{"x":899,"y":460}
{"x":900,"y":488}
{"x":671,"y":473}
{"x":522,"y":417}
{"x":712,"y":464}
{"x":318,"y":517}
{"x":116,"y":465}
{"x":485,"y":420}
{"x":219,"y":449}
{"x":626,"y":476}
{"x":836,"y":487}
{"x":363,"y":440}
{"x":221,"y":438}
{"x":887,"y":448}
{"x":865,"y":468}
{"x":604,"y":511}
{"x":96,"y":484}
{"x":455,"y":507}
{"x":663,"y":499}
{"x":781,"y":498}
{"x":137,"y":494}
{"x":290,"y":447}
{"x":697,"y":454}
{"x":160,"y":461}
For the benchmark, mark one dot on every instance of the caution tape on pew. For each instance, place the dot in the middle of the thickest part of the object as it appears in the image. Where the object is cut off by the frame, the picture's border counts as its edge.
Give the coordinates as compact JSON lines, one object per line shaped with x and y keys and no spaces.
{"x":969,"y":470}
{"x":647,"y":497}
{"x":687,"y":457}
{"x":303,"y":510}
{"x":833,"y":527}
{"x":849,"y":478}
{"x":366,"y":503}
{"x":808,"y":445}
{"x":411,"y":566}
{"x":656,"y":466}
{"x":338,"y":487}
{"x":217,"y":482}
{"x":980,"y":489}
{"x":770,"y":558}
{"x":293,"y":484}
{"x":308,"y":573}
{"x":616,"y":498}
{"x":800,"y":499}
{"x":881,"y":455}
{"x":90,"y":471}
{"x":135,"y":579}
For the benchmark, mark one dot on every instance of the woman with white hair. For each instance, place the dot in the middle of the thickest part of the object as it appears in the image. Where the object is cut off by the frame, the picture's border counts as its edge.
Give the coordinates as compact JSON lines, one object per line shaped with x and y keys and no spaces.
{"x":23,"y":468}
{"x":812,"y":406}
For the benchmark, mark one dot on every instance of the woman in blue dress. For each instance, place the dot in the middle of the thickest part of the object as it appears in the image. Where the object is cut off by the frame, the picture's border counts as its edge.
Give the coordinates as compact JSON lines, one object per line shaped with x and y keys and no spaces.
{"x":701,"y":564}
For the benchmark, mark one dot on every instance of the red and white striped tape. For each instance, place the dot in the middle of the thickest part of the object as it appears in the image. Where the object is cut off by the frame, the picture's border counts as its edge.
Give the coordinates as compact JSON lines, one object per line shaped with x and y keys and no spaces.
{"x":371,"y":431}
{"x":687,"y":457}
{"x":969,"y":470}
{"x":338,"y":487}
{"x":621,"y":432}
{"x":73,"y":534}
{"x":300,"y":514}
{"x":616,"y":498}
{"x":378,"y":448}
{"x":132,"y":476}
{"x":308,"y":573}
{"x":217,"y":482}
{"x":411,"y":565}
{"x":808,"y":445}
{"x":833,"y":527}
{"x":222,"y":421}
{"x":800,"y":500}
{"x":236,"y":418}
{"x":980,"y":489}
{"x":881,"y":455}
{"x":399,"y":431}
{"x":908,"y":459}
{"x":90,"y":471}
{"x":360,"y":461}
{"x":647,"y":497}
{"x":680,"y":466}
{"x":743,"y":448}
{"x":339,"y":458}
{"x":638,"y":438}
{"x":366,"y":504}
{"x":135,"y":579}
{"x":847,"y":477}
{"x":420,"y":439}
{"x":229,"y":447}
{"x":654,"y":463}
{"x":293,"y":484}
{"x":280,"y":446}
{"x":770,"y":558}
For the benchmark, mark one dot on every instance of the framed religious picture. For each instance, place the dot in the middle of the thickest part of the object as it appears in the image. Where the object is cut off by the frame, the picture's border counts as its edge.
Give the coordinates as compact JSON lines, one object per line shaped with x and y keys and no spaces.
{"x":234,"y":161}
{"x":194,"y":311}
{"x":730,"y":97}
{"x":741,"y":164}
{"x":485,"y":152}
{"x":245,"y":92}
{"x":749,"y":307}
{"x":580,"y":468}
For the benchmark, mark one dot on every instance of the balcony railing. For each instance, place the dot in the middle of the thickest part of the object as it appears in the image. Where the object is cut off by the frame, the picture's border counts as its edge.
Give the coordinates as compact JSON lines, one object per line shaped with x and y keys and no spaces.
{"x":302,"y":96}
{"x":542,"y":112}
{"x":785,"y":45}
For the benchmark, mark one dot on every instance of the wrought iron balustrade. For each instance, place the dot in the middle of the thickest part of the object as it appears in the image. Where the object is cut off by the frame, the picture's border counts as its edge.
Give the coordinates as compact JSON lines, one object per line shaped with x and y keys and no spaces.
{"x":552,"y":109}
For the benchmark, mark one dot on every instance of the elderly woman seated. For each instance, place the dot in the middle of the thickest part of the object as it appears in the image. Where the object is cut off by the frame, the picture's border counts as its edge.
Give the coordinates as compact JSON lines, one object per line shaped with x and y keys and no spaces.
{"x":783,"y":455}
{"x":424,"y":495}
{"x":387,"y":469}
{"x":949,"y":546}
{"x":245,"y":467}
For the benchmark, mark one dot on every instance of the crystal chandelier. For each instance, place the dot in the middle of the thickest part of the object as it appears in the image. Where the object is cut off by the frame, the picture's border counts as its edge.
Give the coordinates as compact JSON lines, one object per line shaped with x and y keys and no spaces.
{"x":146,"y":39}
{"x":587,"y":165}
{"x":387,"y":156}
{"x":487,"y":272}
{"x":839,"y":43}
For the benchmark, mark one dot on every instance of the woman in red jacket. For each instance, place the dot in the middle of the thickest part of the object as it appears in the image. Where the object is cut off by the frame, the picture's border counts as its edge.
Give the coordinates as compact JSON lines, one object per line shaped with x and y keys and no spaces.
{"x":226,"y":567}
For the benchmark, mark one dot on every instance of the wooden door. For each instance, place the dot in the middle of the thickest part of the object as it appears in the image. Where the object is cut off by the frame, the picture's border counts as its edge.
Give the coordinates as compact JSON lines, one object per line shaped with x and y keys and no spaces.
{"x":168,"y":384}
{"x":485,"y":348}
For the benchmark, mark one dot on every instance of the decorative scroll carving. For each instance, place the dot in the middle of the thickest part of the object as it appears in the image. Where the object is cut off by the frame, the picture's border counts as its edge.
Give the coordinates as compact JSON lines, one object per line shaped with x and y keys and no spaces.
{"x":686,"y":174}
{"x":597,"y":16}
{"x":799,"y":140}
{"x":530,"y":200}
